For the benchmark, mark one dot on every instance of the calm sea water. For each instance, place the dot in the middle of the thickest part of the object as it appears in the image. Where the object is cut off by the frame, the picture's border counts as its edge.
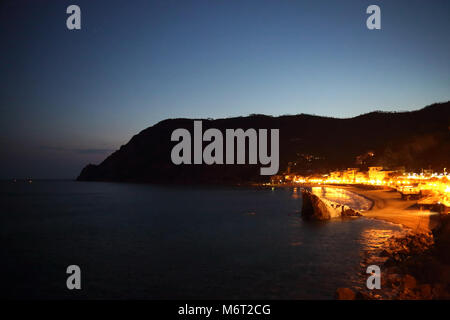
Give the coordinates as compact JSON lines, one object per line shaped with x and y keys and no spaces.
{"x":157,"y":242}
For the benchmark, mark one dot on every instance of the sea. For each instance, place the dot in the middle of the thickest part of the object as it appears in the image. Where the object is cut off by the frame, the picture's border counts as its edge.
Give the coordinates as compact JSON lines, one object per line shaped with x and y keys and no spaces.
{"x":138,"y":241}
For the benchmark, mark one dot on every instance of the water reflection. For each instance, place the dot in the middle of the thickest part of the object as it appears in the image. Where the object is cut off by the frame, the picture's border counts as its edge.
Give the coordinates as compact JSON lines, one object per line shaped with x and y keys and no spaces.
{"x":376,"y":239}
{"x":373,"y":242}
{"x":296,"y":193}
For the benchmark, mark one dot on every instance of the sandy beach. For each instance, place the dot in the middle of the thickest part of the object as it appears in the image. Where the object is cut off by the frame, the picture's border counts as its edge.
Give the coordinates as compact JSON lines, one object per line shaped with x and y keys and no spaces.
{"x":407,"y":256}
{"x":388,"y":206}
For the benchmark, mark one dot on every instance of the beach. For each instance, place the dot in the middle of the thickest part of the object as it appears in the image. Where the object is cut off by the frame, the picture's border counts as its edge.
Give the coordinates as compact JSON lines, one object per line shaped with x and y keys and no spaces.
{"x":388,"y":206}
{"x":404,"y":258}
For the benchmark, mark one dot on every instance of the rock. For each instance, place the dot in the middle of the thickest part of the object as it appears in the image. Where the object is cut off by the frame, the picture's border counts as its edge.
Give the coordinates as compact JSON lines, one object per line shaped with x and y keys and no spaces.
{"x":385,"y":253}
{"x":413,"y":255}
{"x":394,"y":279}
{"x":313,"y":208}
{"x":425,"y":291}
{"x":408,"y":295}
{"x":438,"y":291}
{"x":345,"y":294}
{"x":349,"y":212}
{"x":361,"y":295}
{"x":409,"y":282}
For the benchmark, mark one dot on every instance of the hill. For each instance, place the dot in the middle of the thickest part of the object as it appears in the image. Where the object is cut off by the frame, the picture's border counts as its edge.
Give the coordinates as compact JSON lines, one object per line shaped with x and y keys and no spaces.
{"x":308,"y":144}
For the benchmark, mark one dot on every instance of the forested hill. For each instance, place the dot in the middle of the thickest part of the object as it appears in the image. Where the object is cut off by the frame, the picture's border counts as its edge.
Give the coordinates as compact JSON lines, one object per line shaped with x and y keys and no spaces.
{"x":416,"y":139}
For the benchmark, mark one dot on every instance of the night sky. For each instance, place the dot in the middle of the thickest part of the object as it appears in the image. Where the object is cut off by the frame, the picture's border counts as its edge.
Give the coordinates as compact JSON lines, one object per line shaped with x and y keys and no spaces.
{"x":68,"y":98}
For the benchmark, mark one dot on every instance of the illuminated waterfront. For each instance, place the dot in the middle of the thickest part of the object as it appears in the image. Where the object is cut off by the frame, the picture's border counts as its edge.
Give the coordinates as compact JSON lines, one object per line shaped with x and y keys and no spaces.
{"x":427,"y":188}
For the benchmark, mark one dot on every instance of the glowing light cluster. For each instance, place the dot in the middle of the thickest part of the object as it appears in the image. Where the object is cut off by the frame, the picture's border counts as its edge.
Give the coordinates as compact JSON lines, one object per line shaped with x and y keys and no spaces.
{"x":435,"y":185}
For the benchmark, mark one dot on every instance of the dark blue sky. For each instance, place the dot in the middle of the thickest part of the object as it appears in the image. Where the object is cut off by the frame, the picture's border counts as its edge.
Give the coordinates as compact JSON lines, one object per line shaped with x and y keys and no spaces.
{"x":68,"y":98}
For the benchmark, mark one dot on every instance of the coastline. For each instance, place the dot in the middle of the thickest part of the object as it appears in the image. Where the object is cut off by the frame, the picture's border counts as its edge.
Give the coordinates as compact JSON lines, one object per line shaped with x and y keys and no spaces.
{"x":388,"y":206}
{"x":403,"y":258}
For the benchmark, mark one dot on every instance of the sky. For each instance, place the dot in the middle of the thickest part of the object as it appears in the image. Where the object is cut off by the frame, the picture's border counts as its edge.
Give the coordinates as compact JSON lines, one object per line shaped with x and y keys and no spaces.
{"x":71,"y":97}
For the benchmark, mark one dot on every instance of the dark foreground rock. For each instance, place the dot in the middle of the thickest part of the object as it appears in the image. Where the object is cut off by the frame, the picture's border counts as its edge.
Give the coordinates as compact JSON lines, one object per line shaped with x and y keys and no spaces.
{"x":345,"y":294}
{"x":415,"y":266}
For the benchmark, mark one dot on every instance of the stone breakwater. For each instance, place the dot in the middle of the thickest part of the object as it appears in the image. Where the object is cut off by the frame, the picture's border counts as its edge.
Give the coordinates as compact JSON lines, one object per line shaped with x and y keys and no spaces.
{"x":318,"y":208}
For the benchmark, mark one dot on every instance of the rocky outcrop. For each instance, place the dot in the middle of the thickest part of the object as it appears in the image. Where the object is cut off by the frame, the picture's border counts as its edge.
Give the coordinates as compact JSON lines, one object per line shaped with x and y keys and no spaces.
{"x":317,"y":208}
{"x":345,"y":294}
{"x":413,"y":268}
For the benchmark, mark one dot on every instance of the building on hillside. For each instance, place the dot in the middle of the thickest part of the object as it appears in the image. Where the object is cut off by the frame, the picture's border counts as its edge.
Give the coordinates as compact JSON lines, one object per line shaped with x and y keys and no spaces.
{"x":361,"y":177}
{"x":349,"y":175}
{"x":276,"y":179}
{"x":335,"y":175}
{"x":373,"y":172}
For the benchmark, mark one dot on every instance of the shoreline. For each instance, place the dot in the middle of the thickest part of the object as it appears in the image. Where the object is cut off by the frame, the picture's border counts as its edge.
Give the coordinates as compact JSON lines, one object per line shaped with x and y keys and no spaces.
{"x":415,"y":265}
{"x":388,"y":206}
